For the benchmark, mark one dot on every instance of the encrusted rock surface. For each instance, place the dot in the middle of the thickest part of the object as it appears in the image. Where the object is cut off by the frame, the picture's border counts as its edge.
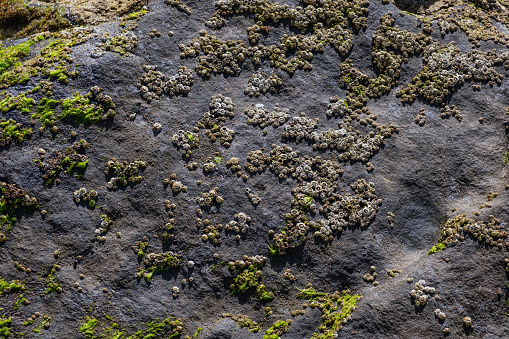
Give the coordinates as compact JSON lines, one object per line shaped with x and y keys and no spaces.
{"x":212,"y":169}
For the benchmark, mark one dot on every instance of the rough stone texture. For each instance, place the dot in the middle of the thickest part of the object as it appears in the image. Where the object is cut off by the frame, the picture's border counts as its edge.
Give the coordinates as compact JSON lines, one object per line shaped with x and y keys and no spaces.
{"x":424,"y":174}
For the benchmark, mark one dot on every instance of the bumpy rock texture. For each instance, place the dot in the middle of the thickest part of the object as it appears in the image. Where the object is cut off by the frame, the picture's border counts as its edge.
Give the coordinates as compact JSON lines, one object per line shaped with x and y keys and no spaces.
{"x":255,"y":169}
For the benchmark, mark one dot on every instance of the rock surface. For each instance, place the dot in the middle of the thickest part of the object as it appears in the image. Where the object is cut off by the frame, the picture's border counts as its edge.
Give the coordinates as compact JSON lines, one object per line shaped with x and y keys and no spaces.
{"x":428,"y":169}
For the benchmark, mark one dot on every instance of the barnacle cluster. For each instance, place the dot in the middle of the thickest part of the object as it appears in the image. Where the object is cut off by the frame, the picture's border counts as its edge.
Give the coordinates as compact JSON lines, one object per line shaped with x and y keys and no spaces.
{"x":243,"y":321}
{"x":240,"y":224}
{"x":255,"y":199}
{"x":100,"y":232}
{"x":157,"y":262}
{"x":440,"y":315}
{"x":223,"y":57}
{"x":336,"y":308}
{"x":209,"y":165}
{"x":87,"y":196}
{"x":70,"y":159}
{"x":260,"y":83}
{"x":124,"y":173}
{"x":220,"y":108}
{"x":358,"y":209}
{"x":208,"y":199}
{"x":139,"y":247}
{"x":250,"y":277}
{"x":177,"y":186}
{"x":256,"y":162}
{"x":223,"y":133}
{"x":490,"y":233}
{"x":166,"y":230}
{"x":371,"y":275}
{"x":420,"y":118}
{"x":12,"y":198}
{"x":123,"y":43}
{"x":234,"y":165}
{"x":329,"y":22}
{"x":12,"y":131}
{"x":470,"y":17}
{"x":259,"y":116}
{"x":178,"y":4}
{"x":446,"y":69}
{"x":186,"y":140}
{"x":447,"y":111}
{"x":390,"y":218}
{"x":352,"y":145}
{"x":316,"y":179}
{"x":154,"y":83}
{"x":421,"y":293}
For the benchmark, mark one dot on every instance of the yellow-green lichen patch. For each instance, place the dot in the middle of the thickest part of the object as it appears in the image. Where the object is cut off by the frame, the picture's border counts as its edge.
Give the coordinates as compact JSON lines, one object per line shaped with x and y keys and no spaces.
{"x":335,"y":307}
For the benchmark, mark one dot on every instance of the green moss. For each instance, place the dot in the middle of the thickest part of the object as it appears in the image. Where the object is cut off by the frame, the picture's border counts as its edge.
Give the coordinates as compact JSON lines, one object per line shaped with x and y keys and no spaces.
{"x":10,"y":56}
{"x":437,"y":247}
{"x":136,"y":15}
{"x":20,"y":103}
{"x":12,"y":287}
{"x":79,"y":108}
{"x":88,"y":327}
{"x":52,"y":61}
{"x":53,"y":285}
{"x":277,"y":329}
{"x":335,"y":308}
{"x":170,"y":327}
{"x":251,"y":279}
{"x":198,"y":330}
{"x":12,"y":131}
{"x":5,"y":324}
{"x":46,"y":111}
